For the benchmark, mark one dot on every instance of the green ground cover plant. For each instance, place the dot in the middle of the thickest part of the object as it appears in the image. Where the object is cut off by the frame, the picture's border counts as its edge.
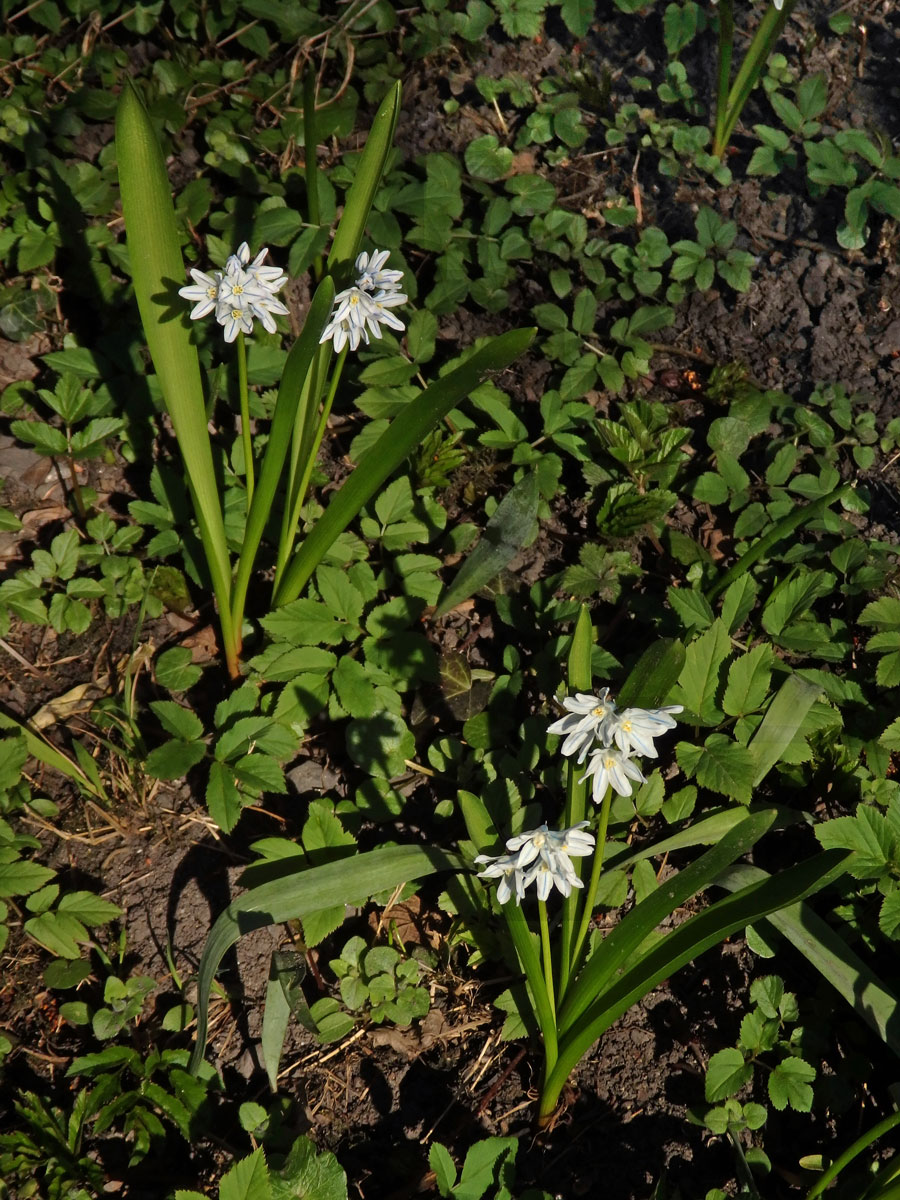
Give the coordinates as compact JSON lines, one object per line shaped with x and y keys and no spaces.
{"x":382,"y":405}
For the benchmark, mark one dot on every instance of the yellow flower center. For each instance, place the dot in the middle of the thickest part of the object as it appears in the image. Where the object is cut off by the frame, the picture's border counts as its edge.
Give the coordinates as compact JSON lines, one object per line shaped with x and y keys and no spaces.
{"x":599,"y":711}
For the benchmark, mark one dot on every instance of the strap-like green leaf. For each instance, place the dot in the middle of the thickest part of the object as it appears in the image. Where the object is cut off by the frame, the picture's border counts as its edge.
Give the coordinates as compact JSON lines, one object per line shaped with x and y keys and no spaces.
{"x":401,"y":437}
{"x":827,"y":951}
{"x":46,"y":753}
{"x":783,"y":718}
{"x":624,"y":941}
{"x":681,"y":946}
{"x":781,"y":530}
{"x":504,"y":536}
{"x":157,"y":271}
{"x":358,"y":204}
{"x":306,"y":891}
{"x":653,"y":675}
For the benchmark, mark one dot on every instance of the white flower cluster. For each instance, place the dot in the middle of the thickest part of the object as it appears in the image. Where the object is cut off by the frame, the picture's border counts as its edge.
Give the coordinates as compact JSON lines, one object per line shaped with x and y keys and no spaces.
{"x":362,"y":309}
{"x":594,"y":726}
{"x":243,"y":292}
{"x":542,"y":856}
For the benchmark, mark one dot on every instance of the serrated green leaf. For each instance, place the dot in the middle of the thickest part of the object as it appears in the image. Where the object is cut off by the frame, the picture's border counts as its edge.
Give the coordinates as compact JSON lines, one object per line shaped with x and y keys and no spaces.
{"x":173,"y":760}
{"x":692,"y":606}
{"x":789,"y":1085}
{"x":698,"y":683}
{"x":748,"y":681}
{"x":247,"y":1179}
{"x":726,"y":1074}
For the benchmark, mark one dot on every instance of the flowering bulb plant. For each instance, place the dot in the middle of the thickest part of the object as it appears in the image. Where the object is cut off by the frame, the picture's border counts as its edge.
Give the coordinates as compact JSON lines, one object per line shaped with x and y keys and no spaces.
{"x":545,"y":881}
{"x":242,"y":293}
{"x":579,"y":982}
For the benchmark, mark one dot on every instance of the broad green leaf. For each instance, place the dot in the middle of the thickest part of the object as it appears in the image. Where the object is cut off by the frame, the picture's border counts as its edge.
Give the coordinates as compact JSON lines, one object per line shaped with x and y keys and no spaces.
{"x":395,"y":444}
{"x":748,"y":681}
{"x":173,"y":759}
{"x":509,"y":529}
{"x":868,"y":835}
{"x":482,"y":1165}
{"x":722,"y":766}
{"x":308,"y":1175}
{"x":789,"y":1084}
{"x":61,"y":934}
{"x":300,"y":892}
{"x":577,"y":16}
{"x":726,"y":1074}
{"x":157,"y":271}
{"x":177,"y":720}
{"x":20,"y":877}
{"x":176,"y":670}
{"x":692,"y":606}
{"x":699,"y":680}
{"x":88,"y":908}
{"x":247,"y":1179}
{"x":444,"y":1171}
{"x":487,"y":159}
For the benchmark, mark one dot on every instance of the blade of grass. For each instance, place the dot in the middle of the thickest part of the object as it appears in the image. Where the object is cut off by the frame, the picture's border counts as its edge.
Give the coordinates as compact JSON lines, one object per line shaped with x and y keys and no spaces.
{"x":46,"y":753}
{"x":400,"y":438}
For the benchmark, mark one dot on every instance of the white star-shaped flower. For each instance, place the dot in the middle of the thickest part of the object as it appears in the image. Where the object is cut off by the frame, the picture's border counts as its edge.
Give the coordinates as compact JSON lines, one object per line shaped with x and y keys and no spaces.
{"x":541,"y":856}
{"x":585,"y":722}
{"x":360,"y":310}
{"x":203,"y":294}
{"x":372,"y":276}
{"x":612,"y":768}
{"x":243,"y":292}
{"x":635,"y":728}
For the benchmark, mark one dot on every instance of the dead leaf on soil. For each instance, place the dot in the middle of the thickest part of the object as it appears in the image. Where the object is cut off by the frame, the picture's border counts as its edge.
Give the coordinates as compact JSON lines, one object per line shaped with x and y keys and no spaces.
{"x":202,"y":644}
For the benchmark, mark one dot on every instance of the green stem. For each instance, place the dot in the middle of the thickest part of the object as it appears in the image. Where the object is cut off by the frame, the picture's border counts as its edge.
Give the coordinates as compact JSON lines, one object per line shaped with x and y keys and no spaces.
{"x":249,"y":475}
{"x":596,"y":869}
{"x":287,"y":539}
{"x":579,"y":680}
{"x":850,"y":1153}
{"x":547,"y":955}
{"x":531,"y":966}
